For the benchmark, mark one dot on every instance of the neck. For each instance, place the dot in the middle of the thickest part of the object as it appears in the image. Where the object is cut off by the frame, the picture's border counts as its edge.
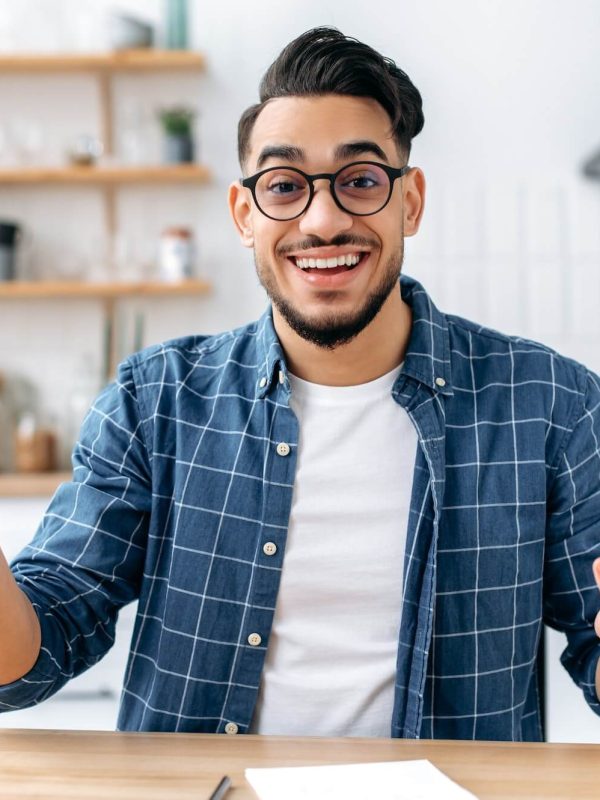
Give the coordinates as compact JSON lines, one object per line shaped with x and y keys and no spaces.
{"x":377,"y":349}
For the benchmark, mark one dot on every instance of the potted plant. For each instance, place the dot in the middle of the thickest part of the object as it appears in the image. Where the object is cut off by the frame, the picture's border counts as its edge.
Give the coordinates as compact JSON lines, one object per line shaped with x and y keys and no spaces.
{"x":177,"y":124}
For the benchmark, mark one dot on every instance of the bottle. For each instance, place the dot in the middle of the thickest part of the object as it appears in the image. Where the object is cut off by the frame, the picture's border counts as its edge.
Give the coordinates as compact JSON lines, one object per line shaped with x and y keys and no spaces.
{"x":6,"y":432}
{"x":84,"y":389}
{"x":176,"y":24}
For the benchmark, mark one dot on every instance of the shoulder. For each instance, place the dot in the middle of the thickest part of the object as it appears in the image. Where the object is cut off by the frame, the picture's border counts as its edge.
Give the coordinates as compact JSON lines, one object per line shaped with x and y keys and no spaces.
{"x":472,"y":341}
{"x":196,"y":354}
{"x":487,"y":351}
{"x":200,"y":367}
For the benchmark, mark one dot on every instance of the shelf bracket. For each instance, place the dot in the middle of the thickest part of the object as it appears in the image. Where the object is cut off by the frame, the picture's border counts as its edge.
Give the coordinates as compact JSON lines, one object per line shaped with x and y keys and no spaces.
{"x":106,"y":111}
{"x":109,"y":360}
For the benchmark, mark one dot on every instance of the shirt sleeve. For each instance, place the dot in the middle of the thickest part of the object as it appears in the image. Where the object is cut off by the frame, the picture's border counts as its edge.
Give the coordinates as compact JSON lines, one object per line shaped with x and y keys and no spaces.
{"x":86,"y":559}
{"x":571,"y":596}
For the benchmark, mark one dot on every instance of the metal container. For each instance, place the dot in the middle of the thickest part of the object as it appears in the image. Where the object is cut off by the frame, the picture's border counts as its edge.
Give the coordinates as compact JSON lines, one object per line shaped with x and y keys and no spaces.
{"x":10,"y":234}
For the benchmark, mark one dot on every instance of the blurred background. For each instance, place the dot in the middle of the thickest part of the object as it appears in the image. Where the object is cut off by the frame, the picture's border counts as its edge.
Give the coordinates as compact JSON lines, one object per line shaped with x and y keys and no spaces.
{"x":117,"y":145}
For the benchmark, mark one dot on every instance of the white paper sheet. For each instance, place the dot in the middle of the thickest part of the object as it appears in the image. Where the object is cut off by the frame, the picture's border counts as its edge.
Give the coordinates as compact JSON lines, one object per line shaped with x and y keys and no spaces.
{"x":387,"y":780}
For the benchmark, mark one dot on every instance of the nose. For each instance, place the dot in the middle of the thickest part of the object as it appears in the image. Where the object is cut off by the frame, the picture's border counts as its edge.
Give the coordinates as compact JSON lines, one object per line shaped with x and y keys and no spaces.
{"x":323,"y":217}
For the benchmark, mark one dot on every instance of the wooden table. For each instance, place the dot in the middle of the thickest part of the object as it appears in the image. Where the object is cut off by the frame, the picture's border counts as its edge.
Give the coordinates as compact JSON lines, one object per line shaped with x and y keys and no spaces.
{"x":72,"y":764}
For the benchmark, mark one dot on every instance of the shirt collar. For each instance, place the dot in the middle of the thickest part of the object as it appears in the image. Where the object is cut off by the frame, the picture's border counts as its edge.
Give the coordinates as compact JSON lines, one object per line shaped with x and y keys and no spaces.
{"x":271,"y":361}
{"x":427,"y":357}
{"x":428,"y":353}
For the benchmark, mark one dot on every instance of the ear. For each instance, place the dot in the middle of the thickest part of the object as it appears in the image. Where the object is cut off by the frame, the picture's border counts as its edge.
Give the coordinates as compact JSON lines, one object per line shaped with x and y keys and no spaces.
{"x":413,"y":191}
{"x":241,"y":212}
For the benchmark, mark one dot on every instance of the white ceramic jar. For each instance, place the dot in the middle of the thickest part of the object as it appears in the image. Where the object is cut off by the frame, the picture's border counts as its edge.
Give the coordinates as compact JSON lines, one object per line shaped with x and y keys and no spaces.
{"x":176,"y":258}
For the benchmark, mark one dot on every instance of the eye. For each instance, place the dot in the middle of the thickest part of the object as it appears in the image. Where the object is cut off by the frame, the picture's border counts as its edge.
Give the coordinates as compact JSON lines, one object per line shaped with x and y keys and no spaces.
{"x":283,"y":186}
{"x":363,"y":178}
{"x":360,"y":182}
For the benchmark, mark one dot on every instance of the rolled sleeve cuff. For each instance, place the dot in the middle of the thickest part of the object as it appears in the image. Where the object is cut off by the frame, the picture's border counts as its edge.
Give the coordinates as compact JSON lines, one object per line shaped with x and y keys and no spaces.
{"x":584,"y":674}
{"x":43,"y":679}
{"x":36,"y":685}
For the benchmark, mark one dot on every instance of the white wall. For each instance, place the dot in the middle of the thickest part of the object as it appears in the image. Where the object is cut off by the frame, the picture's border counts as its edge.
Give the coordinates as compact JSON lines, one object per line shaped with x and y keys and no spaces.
{"x":511,"y":234}
{"x":512,"y":109}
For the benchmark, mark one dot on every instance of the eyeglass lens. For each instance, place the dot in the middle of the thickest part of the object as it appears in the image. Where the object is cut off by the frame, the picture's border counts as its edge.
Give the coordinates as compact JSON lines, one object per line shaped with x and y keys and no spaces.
{"x":283,"y":193}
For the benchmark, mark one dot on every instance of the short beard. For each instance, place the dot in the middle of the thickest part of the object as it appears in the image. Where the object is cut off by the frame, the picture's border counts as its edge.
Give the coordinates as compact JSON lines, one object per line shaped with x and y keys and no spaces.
{"x":332,"y":330}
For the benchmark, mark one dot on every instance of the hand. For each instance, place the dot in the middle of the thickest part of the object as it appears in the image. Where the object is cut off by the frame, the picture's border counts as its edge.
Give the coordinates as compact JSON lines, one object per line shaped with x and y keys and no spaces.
{"x":596,"y":569}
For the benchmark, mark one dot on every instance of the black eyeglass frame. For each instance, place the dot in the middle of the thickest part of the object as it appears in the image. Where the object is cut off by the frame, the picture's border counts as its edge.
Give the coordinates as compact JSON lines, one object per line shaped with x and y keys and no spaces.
{"x":391,"y":172}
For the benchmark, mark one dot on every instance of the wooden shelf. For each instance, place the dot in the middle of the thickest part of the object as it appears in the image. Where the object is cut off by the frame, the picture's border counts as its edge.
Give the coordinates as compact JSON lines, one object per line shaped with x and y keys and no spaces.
{"x":109,"y":293}
{"x":122,"y":61}
{"x":35,"y":484}
{"x":109,"y":175}
{"x":26,"y":290}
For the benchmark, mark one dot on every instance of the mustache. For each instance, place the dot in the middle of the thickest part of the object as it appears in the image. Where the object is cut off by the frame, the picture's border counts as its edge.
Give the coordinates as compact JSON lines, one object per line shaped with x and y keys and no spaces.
{"x":342,"y":240}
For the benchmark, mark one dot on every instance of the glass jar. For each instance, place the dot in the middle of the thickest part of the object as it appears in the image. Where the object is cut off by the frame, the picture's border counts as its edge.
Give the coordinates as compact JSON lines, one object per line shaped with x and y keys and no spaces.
{"x":176,"y":260}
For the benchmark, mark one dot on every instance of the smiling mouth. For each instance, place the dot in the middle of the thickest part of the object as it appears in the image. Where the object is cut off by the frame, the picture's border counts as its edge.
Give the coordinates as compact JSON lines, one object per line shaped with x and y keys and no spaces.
{"x":329,"y":266}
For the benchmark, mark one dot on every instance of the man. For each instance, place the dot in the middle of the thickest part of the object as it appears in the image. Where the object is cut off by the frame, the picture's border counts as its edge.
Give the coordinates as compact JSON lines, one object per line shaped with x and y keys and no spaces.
{"x":348,"y":518}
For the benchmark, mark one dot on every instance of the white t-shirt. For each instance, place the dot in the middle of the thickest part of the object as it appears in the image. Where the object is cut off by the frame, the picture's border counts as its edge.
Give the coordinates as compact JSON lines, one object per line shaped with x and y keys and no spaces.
{"x":331,"y":663}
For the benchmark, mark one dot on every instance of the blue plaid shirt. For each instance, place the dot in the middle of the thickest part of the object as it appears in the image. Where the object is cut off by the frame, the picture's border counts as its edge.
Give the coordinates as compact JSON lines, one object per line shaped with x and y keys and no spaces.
{"x":179,"y":483}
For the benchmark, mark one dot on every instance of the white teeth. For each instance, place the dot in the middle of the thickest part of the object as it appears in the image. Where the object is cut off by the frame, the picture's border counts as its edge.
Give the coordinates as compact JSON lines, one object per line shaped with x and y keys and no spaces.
{"x":328,"y":263}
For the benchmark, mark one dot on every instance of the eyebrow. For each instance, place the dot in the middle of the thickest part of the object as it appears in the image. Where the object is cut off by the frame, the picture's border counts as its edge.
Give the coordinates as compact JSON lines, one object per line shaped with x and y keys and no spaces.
{"x":288,"y":152}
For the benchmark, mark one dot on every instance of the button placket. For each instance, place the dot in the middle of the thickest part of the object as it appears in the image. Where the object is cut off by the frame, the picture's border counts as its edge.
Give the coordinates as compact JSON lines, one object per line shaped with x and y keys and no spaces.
{"x":280,"y":427}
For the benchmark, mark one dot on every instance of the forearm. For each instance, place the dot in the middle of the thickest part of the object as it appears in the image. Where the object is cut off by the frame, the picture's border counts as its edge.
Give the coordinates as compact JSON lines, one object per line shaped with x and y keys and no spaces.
{"x":20,"y":635}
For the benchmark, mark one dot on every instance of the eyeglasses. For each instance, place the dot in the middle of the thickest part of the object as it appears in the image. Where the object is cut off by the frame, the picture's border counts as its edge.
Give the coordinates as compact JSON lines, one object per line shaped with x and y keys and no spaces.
{"x":361,"y":188}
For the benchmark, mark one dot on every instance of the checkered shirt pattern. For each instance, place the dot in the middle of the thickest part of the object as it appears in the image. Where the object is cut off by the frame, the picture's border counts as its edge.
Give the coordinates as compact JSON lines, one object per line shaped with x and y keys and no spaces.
{"x":181,"y":499}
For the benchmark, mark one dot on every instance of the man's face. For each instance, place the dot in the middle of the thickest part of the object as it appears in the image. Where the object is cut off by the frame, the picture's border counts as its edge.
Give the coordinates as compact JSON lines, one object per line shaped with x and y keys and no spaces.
{"x":325,"y":306}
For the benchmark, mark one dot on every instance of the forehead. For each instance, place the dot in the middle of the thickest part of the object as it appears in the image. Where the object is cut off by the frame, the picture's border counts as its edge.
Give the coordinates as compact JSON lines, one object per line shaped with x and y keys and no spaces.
{"x":317,"y":125}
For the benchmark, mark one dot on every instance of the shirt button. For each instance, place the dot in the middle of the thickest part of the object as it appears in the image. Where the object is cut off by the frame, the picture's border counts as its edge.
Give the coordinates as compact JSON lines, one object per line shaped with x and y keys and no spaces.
{"x":254,"y":639}
{"x":440,"y":382}
{"x":269,"y":548}
{"x":283,"y":449}
{"x":231,"y":728}
{"x":281,"y":376}
{"x":262,"y":383}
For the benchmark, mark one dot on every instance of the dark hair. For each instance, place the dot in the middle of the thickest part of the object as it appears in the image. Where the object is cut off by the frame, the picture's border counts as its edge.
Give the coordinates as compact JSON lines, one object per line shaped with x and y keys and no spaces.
{"x":324,"y":61}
